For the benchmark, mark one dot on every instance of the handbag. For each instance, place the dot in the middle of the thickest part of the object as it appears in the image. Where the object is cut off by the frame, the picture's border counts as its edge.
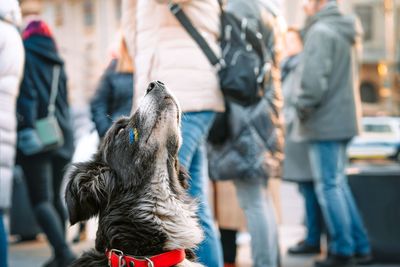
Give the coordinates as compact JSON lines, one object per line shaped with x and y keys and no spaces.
{"x":47,"y":134}
{"x":244,"y":62}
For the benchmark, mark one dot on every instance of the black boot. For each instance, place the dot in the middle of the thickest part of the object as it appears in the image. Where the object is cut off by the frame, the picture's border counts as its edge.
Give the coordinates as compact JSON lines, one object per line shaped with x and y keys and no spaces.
{"x":336,"y":261}
{"x":363,"y":259}
{"x":50,"y":222}
{"x":302,"y":248}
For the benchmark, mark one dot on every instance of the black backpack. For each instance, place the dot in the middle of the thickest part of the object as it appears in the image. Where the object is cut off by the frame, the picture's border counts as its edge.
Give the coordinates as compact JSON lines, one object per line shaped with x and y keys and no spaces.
{"x":244,"y":62}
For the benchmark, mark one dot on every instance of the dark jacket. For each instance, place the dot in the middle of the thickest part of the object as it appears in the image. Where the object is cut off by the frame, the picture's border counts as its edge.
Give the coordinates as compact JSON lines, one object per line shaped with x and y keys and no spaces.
{"x":113,"y":98}
{"x":33,"y":100}
{"x":254,"y":149}
{"x":329,"y":103}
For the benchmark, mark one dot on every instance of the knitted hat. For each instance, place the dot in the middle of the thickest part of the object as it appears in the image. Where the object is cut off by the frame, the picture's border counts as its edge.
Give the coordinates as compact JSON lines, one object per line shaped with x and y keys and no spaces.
{"x":37,"y":27}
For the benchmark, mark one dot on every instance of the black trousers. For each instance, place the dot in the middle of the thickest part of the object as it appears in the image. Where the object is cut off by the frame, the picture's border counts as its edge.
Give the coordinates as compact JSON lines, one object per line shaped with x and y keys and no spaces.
{"x":44,"y":175}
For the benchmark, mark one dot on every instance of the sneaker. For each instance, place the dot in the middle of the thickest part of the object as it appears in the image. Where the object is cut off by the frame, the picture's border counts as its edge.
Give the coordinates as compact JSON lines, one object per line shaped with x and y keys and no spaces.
{"x":302,"y":248}
{"x":336,"y":261}
{"x":363,"y":259}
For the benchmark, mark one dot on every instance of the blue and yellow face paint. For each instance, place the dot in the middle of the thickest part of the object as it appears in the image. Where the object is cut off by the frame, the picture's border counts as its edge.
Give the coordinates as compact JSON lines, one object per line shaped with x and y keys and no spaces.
{"x":133,"y":135}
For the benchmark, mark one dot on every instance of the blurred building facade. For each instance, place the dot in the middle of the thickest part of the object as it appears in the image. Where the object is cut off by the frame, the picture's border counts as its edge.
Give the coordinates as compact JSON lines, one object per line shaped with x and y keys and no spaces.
{"x":85,"y":31}
{"x":380,"y":71}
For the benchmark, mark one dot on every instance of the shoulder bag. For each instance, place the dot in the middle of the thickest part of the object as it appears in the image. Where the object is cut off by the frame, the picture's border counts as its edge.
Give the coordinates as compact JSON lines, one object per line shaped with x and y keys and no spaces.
{"x":46,"y":135}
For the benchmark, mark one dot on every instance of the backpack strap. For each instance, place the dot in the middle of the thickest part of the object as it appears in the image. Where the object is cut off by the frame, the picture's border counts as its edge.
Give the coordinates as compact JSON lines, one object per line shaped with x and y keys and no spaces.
{"x":177,"y":11}
{"x":255,"y":38}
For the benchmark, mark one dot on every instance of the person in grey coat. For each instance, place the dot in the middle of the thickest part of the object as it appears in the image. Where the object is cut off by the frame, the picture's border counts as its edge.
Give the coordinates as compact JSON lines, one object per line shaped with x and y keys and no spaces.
{"x":254,"y":150}
{"x":297,"y":167}
{"x":328,"y":109}
{"x":11,"y":69}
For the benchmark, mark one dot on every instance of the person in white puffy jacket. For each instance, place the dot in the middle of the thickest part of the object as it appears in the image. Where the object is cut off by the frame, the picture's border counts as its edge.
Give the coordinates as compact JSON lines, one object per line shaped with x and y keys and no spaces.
{"x":11,"y":68}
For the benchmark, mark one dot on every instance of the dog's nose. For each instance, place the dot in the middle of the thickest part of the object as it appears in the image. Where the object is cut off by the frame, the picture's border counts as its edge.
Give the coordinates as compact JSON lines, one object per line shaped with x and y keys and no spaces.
{"x":155,"y":84}
{"x":151,"y":86}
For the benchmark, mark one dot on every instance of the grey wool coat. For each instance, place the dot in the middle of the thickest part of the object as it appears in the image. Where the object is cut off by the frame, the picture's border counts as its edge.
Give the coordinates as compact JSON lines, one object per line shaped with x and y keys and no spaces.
{"x":328,"y":104}
{"x":296,"y":165}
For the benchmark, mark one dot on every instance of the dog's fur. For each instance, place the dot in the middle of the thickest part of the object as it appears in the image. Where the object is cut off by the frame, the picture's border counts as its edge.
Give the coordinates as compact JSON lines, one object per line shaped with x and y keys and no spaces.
{"x":137,"y":188}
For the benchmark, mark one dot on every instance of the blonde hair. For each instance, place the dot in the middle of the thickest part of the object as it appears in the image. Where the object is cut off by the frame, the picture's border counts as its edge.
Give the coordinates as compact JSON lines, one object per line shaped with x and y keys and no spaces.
{"x":125,"y":63}
{"x":296,"y":31}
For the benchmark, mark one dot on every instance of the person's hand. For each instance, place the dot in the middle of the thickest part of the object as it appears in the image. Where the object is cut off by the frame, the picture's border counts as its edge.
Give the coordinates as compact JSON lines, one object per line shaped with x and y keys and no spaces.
{"x":274,"y":163}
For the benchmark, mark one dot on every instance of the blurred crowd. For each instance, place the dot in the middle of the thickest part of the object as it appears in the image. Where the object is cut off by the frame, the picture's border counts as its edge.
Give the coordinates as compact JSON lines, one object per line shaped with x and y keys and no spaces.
{"x":308,"y":100}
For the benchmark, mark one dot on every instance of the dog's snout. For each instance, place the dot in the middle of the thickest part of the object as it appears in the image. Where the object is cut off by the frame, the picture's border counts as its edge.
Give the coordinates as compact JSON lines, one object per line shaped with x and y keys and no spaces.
{"x":154,"y":85}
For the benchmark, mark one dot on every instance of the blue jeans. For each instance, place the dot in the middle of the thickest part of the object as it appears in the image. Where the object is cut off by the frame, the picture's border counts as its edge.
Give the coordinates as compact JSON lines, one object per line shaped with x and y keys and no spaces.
{"x":313,"y":218}
{"x":260,"y":223}
{"x":193,"y":156}
{"x":3,"y":242}
{"x":346,"y":229}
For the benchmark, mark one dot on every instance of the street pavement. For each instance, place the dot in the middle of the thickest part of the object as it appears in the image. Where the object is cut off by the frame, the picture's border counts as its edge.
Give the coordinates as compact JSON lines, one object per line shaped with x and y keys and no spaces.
{"x":34,"y":254}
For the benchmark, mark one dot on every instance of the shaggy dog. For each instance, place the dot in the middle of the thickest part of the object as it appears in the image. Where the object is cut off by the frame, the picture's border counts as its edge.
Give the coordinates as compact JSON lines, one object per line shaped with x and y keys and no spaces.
{"x":135,"y":185}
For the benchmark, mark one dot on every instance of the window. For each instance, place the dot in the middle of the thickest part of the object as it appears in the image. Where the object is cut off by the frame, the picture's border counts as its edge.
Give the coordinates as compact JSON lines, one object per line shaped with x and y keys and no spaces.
{"x":59,"y":15}
{"x":88,"y":12}
{"x":377,"y":128}
{"x":118,"y":9}
{"x":369,"y":92}
{"x":365,"y":13}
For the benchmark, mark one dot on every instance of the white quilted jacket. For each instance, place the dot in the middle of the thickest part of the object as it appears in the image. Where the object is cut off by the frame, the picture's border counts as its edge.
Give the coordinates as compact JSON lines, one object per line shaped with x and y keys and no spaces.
{"x":163,"y":50}
{"x":11,"y":68}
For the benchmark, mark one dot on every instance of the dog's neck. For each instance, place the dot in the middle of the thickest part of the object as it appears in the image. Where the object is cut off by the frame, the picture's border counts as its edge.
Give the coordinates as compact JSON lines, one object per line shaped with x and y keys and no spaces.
{"x":175,"y":213}
{"x":158,"y":217}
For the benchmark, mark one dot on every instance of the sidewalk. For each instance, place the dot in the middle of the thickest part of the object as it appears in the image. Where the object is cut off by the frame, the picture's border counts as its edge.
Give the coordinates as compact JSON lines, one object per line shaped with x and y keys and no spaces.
{"x":34,"y":254}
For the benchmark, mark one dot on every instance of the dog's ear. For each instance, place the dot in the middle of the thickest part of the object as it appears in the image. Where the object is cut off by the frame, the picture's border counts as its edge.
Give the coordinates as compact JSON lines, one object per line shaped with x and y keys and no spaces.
{"x":183,"y":177}
{"x":88,"y":188}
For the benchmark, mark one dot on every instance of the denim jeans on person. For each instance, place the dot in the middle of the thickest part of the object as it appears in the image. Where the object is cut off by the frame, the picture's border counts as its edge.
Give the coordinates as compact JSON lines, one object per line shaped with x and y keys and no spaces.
{"x":3,"y":242}
{"x":347,"y":232}
{"x":193,"y":156}
{"x":313,"y":215}
{"x":260,"y":222}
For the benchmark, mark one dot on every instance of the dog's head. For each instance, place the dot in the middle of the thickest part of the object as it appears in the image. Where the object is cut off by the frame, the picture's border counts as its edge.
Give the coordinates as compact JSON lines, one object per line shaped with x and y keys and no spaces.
{"x":129,"y":153}
{"x":133,"y":144}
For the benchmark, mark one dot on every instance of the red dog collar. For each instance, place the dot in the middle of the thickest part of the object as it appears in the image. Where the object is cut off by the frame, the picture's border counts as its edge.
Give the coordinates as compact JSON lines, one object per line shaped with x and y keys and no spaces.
{"x":116,"y":258}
